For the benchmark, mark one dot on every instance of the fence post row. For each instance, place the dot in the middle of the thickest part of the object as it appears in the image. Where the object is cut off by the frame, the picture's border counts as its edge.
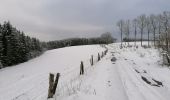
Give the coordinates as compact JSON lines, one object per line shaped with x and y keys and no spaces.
{"x":52,"y":84}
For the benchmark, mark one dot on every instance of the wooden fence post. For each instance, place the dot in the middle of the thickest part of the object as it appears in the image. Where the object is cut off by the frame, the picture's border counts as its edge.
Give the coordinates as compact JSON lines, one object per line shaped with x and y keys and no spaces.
{"x":102,"y":54}
{"x":91,"y":60}
{"x":106,"y":51}
{"x":51,"y":81}
{"x":98,"y":57}
{"x":56,"y":83}
{"x":81,"y":68}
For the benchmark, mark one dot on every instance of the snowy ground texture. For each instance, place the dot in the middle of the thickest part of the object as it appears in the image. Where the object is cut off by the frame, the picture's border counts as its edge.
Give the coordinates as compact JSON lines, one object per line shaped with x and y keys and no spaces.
{"x":123,"y":74}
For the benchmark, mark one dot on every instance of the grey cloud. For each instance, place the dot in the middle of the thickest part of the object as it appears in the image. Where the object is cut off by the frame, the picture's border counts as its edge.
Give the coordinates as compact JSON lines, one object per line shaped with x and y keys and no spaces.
{"x":58,"y":19}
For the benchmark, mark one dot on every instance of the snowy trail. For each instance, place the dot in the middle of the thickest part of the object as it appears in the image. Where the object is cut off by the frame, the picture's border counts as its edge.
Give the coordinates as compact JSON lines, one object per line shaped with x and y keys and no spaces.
{"x":104,"y":82}
{"x":107,"y":82}
{"x":135,"y":87}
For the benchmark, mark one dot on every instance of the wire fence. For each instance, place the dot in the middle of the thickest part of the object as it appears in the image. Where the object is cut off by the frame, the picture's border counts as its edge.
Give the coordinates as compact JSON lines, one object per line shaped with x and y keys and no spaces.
{"x":71,"y":81}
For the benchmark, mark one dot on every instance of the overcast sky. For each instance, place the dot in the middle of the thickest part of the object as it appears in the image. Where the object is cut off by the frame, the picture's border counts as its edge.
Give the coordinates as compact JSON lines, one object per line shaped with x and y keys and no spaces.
{"x":58,"y":19}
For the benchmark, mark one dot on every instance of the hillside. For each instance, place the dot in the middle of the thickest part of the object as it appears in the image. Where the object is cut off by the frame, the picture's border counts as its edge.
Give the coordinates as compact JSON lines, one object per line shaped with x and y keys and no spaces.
{"x":29,"y":81}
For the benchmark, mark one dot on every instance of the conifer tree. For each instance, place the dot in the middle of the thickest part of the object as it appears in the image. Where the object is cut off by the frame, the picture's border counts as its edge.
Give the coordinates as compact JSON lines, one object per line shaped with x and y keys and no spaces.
{"x":1,"y":48}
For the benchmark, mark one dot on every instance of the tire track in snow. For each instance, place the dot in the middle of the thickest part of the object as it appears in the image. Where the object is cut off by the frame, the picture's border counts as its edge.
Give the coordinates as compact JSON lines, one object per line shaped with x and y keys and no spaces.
{"x":149,"y":87}
{"x":131,"y":88}
{"x":133,"y":83}
{"x":117,"y":78}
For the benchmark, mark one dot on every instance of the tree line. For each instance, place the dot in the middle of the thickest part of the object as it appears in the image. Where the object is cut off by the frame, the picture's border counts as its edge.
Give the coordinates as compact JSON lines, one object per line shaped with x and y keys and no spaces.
{"x":105,"y":38}
{"x":16,"y":47}
{"x":153,"y":28}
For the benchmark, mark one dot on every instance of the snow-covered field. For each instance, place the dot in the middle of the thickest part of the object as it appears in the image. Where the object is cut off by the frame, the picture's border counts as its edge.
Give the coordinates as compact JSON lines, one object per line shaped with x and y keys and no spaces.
{"x":29,"y":81}
{"x":133,"y":74}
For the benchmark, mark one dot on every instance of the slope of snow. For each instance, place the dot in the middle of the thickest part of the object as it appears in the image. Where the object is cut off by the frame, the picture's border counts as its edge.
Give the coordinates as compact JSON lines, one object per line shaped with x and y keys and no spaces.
{"x":29,"y":81}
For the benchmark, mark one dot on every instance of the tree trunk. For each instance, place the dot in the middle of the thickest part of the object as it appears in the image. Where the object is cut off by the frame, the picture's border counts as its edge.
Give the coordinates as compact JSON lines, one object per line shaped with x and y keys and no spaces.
{"x":121,"y":38}
{"x":159,"y":35}
{"x":167,"y":48}
{"x":141,"y":36}
{"x":135,"y":36}
{"x":154,"y":38}
{"x":148,"y":38}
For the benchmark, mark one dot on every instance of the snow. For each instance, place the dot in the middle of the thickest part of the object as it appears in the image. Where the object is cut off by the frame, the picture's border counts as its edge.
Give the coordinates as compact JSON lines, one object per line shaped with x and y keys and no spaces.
{"x":29,"y":81}
{"x":123,"y":74}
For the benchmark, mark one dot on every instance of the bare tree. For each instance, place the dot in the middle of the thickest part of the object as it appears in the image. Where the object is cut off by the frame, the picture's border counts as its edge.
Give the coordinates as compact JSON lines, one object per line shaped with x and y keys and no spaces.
{"x":135,"y":28}
{"x":141,"y":25}
{"x":154,"y":27}
{"x":159,"y":19}
{"x":127,"y":30}
{"x":120,"y":25}
{"x":165,"y":26}
{"x":107,"y":37}
{"x":148,"y":27}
